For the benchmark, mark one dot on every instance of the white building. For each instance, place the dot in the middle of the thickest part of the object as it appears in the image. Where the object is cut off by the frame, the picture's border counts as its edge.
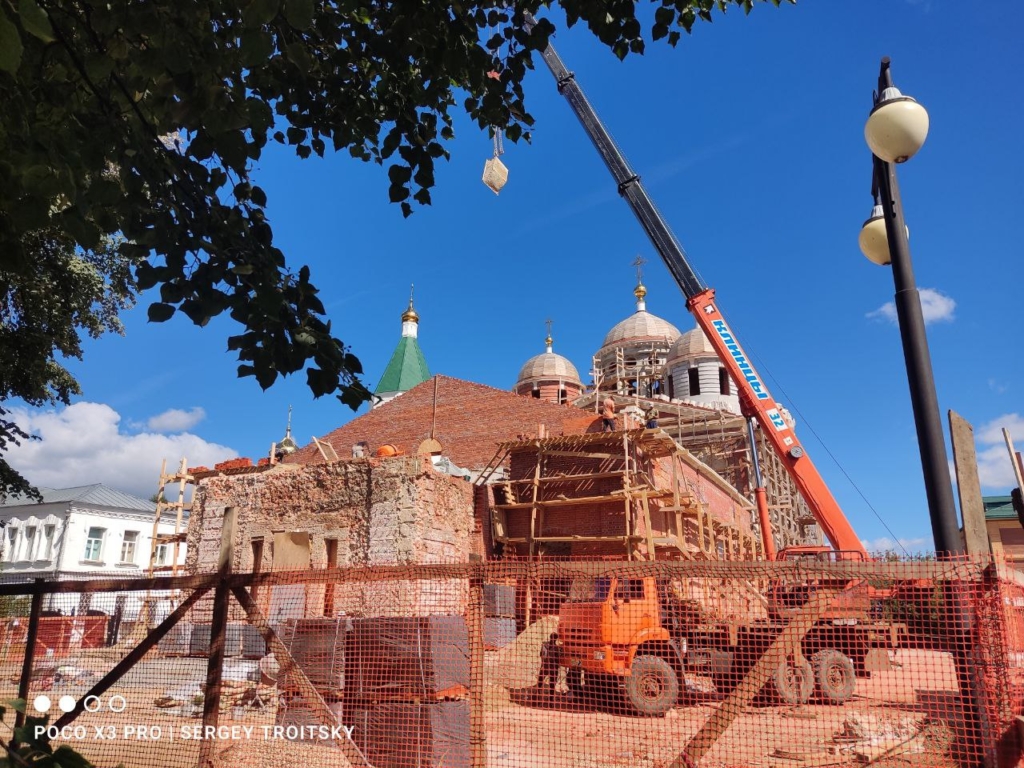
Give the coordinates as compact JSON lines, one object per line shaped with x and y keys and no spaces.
{"x":91,"y":531}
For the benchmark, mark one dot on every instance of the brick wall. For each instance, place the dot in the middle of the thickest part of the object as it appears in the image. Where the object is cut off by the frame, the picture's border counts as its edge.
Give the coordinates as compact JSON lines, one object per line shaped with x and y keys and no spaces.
{"x":380,"y":511}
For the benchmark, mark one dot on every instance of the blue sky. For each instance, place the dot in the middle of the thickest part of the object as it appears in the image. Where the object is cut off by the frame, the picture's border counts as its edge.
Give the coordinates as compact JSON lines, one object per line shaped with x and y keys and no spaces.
{"x":749,"y":137}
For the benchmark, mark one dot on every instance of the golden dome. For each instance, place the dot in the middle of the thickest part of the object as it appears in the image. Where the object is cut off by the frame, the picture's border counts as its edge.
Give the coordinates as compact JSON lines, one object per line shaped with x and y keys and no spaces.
{"x":410,"y":316}
{"x":640,"y":291}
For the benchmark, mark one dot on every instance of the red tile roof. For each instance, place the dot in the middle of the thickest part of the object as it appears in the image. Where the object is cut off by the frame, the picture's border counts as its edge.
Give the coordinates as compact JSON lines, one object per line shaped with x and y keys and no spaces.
{"x":469,"y":422}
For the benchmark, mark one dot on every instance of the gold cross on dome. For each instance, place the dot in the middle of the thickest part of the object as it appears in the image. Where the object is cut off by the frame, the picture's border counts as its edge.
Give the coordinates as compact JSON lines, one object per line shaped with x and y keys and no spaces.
{"x":639,"y":264}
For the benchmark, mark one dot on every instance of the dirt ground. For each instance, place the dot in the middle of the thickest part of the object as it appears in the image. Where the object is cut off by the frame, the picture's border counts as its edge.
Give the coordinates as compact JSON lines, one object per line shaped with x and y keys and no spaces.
{"x":895,"y":717}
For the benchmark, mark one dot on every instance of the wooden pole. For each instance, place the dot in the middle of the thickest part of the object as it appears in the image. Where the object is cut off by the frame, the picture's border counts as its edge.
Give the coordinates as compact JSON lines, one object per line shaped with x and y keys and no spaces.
{"x":133,"y":657}
{"x":803,"y":620}
{"x":1014,"y":459}
{"x":307,"y":690}
{"x":218,"y":629}
{"x":477,"y":727}
{"x":968,"y":487}
{"x":30,"y":648}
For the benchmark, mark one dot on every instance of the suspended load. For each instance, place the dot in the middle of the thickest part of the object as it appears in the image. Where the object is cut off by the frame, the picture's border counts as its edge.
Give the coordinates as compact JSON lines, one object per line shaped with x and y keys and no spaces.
{"x":495,"y":172}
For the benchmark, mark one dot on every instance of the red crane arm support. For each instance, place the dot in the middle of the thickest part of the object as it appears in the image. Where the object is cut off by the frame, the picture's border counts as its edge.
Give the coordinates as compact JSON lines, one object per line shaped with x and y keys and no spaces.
{"x":756,"y":401}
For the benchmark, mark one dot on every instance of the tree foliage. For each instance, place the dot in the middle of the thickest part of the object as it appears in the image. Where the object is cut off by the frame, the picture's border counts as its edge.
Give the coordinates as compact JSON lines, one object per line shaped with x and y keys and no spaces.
{"x":144,"y":119}
{"x":46,"y":305}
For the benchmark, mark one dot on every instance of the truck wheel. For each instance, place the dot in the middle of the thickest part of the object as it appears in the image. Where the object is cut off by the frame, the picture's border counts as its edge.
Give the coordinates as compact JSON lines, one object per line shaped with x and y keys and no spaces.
{"x":794,"y":682}
{"x":652,"y":687}
{"x":835,"y":675}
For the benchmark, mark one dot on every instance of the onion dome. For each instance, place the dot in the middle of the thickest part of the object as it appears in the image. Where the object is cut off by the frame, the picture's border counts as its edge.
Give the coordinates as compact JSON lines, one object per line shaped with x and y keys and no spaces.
{"x":692,"y":345}
{"x":548,"y":365}
{"x":641,"y":325}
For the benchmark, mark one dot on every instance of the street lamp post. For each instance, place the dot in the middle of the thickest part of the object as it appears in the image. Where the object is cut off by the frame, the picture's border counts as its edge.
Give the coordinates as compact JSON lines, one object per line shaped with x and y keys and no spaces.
{"x":895,"y":130}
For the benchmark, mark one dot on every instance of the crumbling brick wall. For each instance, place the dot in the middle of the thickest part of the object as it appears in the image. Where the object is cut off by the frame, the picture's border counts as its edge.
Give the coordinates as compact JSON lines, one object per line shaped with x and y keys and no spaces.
{"x":380,"y":511}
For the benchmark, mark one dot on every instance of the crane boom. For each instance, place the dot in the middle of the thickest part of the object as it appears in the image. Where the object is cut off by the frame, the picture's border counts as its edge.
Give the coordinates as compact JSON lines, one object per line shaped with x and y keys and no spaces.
{"x":755,"y":400}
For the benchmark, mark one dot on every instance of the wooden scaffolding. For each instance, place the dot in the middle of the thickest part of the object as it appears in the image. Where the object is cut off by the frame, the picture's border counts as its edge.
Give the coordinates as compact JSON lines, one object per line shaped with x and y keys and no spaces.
{"x":719,"y":439}
{"x":626,"y":495}
{"x":173,"y":541}
{"x":622,"y":493}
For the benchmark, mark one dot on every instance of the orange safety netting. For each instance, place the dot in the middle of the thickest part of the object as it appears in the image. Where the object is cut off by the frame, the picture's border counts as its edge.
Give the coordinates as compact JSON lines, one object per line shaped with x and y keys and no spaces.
{"x":567,"y":664}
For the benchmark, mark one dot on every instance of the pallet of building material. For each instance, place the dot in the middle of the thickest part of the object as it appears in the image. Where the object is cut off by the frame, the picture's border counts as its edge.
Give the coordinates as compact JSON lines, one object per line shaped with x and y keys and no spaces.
{"x":199,"y":640}
{"x":499,"y":600}
{"x":178,"y":641}
{"x":408,"y":658}
{"x":201,"y":637}
{"x":247,"y":640}
{"x":406,"y":735}
{"x":498,"y":632}
{"x":299,"y":721}
{"x":318,"y":647}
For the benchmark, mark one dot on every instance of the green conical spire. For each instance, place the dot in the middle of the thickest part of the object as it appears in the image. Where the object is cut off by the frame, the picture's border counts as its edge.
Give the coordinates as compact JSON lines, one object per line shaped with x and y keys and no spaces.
{"x":407,"y":366}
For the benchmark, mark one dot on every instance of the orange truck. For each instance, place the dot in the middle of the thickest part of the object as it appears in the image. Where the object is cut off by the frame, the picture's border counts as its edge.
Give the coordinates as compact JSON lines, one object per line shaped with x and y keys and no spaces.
{"x":634,"y":638}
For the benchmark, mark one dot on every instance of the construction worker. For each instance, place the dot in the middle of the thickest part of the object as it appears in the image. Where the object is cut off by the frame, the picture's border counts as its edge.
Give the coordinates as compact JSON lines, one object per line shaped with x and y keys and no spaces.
{"x":608,"y":415}
{"x":651,"y":417}
{"x":547,"y":678}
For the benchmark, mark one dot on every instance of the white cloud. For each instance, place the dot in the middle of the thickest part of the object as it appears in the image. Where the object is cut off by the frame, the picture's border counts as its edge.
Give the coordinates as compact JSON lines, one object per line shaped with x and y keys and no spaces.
{"x":175,"y":420}
{"x":936,"y":306}
{"x":885,"y":544}
{"x":994,"y":468}
{"x":999,"y":387}
{"x":82,"y":444}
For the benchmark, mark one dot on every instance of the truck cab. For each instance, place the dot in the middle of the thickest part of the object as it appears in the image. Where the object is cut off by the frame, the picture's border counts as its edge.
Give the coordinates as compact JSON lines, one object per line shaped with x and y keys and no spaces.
{"x":615,"y":635}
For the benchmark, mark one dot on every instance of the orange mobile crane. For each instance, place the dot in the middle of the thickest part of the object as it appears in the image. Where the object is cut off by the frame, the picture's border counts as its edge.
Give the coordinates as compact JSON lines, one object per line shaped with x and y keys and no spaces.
{"x":631,"y":633}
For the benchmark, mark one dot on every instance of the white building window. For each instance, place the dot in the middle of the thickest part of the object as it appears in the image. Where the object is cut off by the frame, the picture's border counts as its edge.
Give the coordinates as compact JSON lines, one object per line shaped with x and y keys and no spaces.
{"x":128,"y":546}
{"x":12,"y":542}
{"x":162,"y":554}
{"x":94,"y":544}
{"x":30,"y":543}
{"x":48,"y":531}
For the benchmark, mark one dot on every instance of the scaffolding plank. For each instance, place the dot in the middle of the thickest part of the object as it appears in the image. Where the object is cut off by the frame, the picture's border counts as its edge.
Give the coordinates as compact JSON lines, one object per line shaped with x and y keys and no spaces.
{"x":584,"y":454}
{"x":562,"y":502}
{"x":582,"y":538}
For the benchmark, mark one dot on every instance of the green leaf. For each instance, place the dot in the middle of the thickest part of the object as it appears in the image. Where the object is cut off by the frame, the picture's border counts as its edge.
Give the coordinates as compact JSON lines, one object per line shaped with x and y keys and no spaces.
{"x":35,"y":21}
{"x":257,"y":46}
{"x":159,"y":313}
{"x":10,"y":44}
{"x":261,"y":11}
{"x":299,"y":13}
{"x":66,"y":757}
{"x":397,"y":193}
